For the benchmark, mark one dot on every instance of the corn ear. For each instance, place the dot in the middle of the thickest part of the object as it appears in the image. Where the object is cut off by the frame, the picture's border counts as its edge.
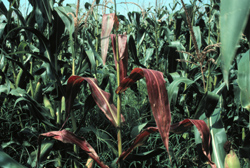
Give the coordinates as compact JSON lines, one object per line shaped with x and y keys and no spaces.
{"x":19,"y":76}
{"x":38,"y":91}
{"x":47,"y":104}
{"x":59,"y":116}
{"x":90,"y":163}
{"x":231,"y":160}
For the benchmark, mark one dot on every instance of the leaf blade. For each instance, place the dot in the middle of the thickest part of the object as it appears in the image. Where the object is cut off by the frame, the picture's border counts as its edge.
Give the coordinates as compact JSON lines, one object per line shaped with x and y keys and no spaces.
{"x":69,"y":137}
{"x":158,"y":98}
{"x":233,"y":18}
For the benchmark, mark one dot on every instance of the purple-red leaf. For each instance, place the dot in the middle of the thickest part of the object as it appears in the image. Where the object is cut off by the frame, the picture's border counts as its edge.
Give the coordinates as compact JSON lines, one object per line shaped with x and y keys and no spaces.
{"x":204,"y":133}
{"x":69,"y":137}
{"x":123,"y":53}
{"x":108,"y":21}
{"x":157,"y":95}
{"x":177,"y":128}
{"x":139,"y":140}
{"x":101,"y":97}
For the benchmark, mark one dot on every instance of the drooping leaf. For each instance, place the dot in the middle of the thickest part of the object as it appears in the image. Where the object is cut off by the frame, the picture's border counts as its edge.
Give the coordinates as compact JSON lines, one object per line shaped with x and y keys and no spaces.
{"x":204,"y":134}
{"x":149,"y":54}
{"x":145,"y":155}
{"x":108,"y":21}
{"x":102,"y":136}
{"x":132,"y":48}
{"x":69,"y":137}
{"x":158,"y":98}
{"x":233,"y":18}
{"x":177,"y":128}
{"x":244,"y":80}
{"x":38,"y":112}
{"x":137,"y":129}
{"x":101,"y":97}
{"x":173,"y":88}
{"x":207,"y":104}
{"x":46,"y":147}
{"x":67,"y":20}
{"x":6,"y":161}
{"x":123,"y":53}
{"x":218,"y":137}
{"x":139,"y":140}
{"x":140,"y":36}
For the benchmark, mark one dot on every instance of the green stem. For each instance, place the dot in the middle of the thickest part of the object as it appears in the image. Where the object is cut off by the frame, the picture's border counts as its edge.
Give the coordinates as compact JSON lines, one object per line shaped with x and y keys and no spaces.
{"x":73,"y":119}
{"x":20,"y":119}
{"x":72,"y":46}
{"x":119,"y":138}
{"x":31,"y":86}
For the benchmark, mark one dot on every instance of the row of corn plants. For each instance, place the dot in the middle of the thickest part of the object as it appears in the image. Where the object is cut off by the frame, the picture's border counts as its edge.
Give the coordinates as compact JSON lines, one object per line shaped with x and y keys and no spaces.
{"x":84,"y":86}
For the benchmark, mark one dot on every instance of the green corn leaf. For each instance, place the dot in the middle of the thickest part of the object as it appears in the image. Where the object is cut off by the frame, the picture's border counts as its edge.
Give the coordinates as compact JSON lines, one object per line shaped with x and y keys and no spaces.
{"x":233,"y":18}
{"x":46,"y":147}
{"x":174,"y":87}
{"x":218,"y":137}
{"x":8,"y":162}
{"x":244,"y":80}
{"x":197,"y":34}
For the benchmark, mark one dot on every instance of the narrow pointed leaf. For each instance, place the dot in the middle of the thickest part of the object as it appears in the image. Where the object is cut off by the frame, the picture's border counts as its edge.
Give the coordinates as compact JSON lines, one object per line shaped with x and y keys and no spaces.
{"x":233,"y":18}
{"x":123,"y":53}
{"x":107,"y":26}
{"x":158,"y":98}
{"x":101,"y":97}
{"x":69,"y":137}
{"x":139,"y":140}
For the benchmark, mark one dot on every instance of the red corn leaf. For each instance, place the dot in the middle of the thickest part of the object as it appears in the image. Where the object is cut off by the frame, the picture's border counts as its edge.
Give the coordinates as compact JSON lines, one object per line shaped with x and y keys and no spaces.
{"x":116,"y":23}
{"x":203,"y":130}
{"x":157,"y":95}
{"x":107,"y":26}
{"x":139,"y":140}
{"x":177,"y":128}
{"x":69,"y":137}
{"x":101,"y":97}
{"x":123,"y":53}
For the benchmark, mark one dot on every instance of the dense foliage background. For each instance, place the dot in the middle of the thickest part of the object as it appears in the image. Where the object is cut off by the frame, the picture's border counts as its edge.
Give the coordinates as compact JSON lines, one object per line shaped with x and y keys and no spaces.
{"x":39,"y":51}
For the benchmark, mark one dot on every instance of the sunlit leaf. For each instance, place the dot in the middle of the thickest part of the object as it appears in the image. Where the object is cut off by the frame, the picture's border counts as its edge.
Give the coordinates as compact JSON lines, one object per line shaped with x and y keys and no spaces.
{"x":233,"y":18}
{"x":101,"y":97}
{"x":197,"y":33}
{"x":67,"y":20}
{"x":157,"y":95}
{"x":244,"y":80}
{"x":68,"y":137}
{"x":108,"y":21}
